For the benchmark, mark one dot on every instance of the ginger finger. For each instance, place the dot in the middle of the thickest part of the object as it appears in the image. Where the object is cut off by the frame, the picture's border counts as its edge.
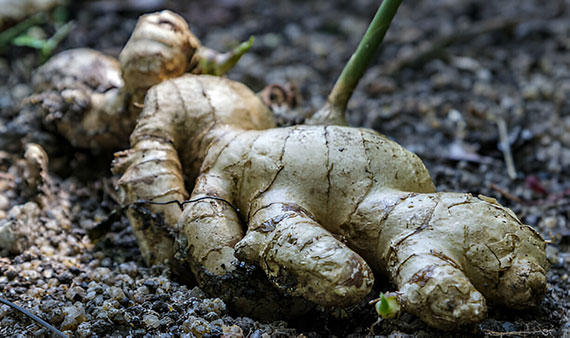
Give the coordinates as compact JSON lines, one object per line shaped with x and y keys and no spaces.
{"x":506,"y":263}
{"x":161,"y":47}
{"x":479,"y":241}
{"x":211,"y":250}
{"x":209,"y":229}
{"x":153,"y":173}
{"x":300,"y":257}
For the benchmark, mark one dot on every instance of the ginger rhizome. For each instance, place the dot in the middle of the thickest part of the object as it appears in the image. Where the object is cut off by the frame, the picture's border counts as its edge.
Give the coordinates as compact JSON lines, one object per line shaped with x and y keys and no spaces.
{"x":323,"y":207}
{"x":312,"y":212}
{"x":94,"y":100}
{"x":319,"y":209}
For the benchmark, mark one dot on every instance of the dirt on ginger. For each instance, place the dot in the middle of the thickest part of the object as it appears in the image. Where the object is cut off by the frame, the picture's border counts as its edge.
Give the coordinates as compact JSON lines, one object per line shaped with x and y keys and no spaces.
{"x":312,"y":212}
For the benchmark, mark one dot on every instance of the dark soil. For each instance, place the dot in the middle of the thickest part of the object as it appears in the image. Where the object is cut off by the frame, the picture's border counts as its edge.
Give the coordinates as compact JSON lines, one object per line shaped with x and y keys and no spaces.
{"x":448,"y":75}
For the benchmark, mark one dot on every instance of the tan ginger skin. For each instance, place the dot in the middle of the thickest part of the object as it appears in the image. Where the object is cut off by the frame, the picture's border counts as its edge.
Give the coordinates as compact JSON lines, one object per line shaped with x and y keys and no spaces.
{"x":319,"y":209}
{"x":94,"y":101}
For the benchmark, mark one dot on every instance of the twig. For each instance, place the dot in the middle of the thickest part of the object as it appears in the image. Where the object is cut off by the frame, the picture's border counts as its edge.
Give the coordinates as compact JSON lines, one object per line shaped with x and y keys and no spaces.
{"x":506,"y":193}
{"x":544,"y":333}
{"x":34,"y":317}
{"x":506,"y":148}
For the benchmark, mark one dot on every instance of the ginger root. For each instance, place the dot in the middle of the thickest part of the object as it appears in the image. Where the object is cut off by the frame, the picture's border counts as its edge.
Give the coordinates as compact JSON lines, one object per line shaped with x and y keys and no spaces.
{"x":313,"y":212}
{"x":320,"y":209}
{"x":94,"y":100}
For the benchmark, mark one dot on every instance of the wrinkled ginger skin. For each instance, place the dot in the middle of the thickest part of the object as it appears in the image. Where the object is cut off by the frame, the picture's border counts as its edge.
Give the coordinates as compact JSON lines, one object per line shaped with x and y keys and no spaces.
{"x":153,"y":170}
{"x":306,"y":196}
{"x":448,"y":252}
{"x":312,"y":212}
{"x":161,"y":47}
{"x":80,"y":94}
{"x":93,"y":100}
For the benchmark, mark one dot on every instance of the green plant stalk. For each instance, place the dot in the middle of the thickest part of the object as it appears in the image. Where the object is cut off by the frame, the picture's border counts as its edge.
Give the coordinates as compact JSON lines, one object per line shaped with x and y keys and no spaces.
{"x":45,"y":46}
{"x":354,"y":69}
{"x":51,"y":44}
{"x":10,"y":34}
{"x":230,"y":59}
{"x":337,"y":101}
{"x":217,"y":64}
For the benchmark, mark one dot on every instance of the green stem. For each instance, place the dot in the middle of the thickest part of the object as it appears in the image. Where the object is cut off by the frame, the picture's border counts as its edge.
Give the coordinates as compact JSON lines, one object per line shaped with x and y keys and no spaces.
{"x":334,"y":110}
{"x":215,"y":63}
{"x":354,"y":69}
{"x":51,"y":44}
{"x":10,"y":34}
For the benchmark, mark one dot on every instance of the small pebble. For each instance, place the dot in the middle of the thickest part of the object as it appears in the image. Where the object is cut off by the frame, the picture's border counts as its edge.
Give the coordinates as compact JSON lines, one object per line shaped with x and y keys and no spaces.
{"x":4,"y":310}
{"x":65,"y":278}
{"x":116,"y":293}
{"x":196,"y":326}
{"x":151,"y":320}
{"x":4,"y":202}
{"x":75,"y":293}
{"x":129,"y":268}
{"x":549,"y":222}
{"x":84,"y":330}
{"x":11,"y":272}
{"x":74,"y":315}
{"x":508,"y":326}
